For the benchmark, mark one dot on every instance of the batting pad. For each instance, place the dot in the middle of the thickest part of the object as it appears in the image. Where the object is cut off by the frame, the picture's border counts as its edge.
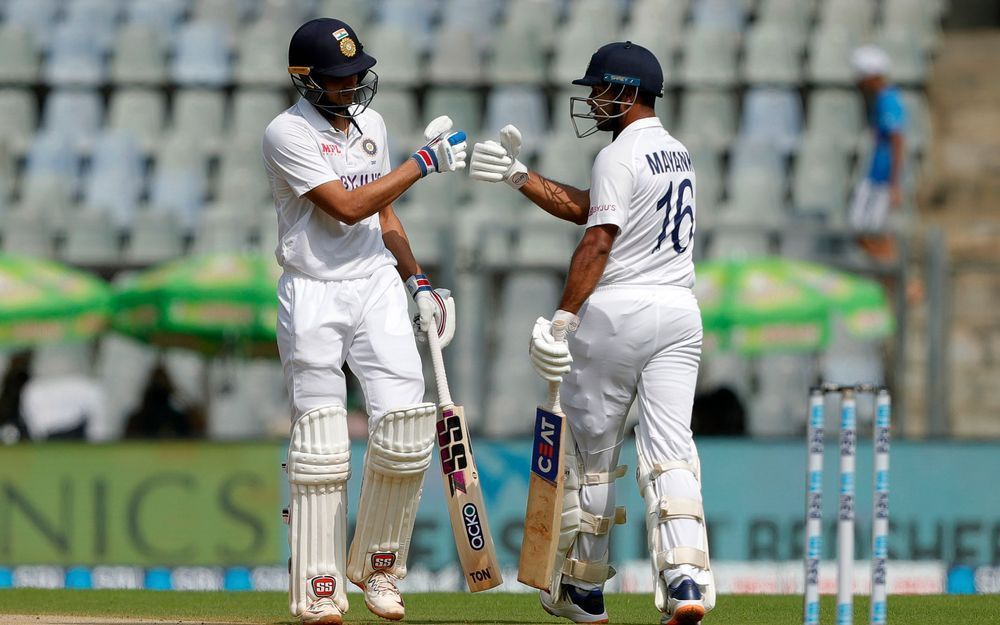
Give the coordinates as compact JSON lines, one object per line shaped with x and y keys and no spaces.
{"x":663,"y":507}
{"x":318,"y":467}
{"x":399,"y":452}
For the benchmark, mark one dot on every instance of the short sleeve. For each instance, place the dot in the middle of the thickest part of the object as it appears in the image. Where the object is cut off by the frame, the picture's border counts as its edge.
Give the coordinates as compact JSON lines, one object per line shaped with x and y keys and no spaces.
{"x":610,"y":191}
{"x":293,"y":155}
{"x":386,"y":161}
{"x":891,"y":117}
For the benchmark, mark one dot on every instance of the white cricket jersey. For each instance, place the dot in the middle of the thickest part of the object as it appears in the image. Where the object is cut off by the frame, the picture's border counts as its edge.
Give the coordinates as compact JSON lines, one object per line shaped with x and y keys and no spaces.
{"x":301,"y":152}
{"x":644,"y":183}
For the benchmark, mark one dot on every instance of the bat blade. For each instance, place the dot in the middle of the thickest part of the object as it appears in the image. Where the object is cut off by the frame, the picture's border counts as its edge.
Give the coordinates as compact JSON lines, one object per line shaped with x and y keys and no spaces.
{"x":466,"y":506}
{"x":543,"y":514}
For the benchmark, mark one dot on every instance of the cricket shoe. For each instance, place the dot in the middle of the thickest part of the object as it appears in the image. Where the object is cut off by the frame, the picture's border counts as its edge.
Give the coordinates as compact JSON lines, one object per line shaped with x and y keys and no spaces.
{"x":382,"y":597}
{"x":322,"y":612}
{"x":684,"y":604}
{"x":576,"y":604}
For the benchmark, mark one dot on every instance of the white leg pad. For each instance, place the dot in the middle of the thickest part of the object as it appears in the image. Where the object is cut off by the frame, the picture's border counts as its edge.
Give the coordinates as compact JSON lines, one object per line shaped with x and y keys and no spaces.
{"x":575,"y":521}
{"x":399,"y":452}
{"x":662,"y":508}
{"x":319,"y":464}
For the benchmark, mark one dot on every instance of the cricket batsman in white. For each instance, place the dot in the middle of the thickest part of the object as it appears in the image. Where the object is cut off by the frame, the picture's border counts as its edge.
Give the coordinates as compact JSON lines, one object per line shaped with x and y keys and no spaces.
{"x":341,"y":297}
{"x":635,"y":334}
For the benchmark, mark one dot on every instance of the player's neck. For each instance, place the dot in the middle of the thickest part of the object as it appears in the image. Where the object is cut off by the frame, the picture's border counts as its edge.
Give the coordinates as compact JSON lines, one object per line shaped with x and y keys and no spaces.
{"x":634,"y":114}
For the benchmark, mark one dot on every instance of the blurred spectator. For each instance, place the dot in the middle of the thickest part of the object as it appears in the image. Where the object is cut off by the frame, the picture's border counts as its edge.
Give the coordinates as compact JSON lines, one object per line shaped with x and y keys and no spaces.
{"x":162,"y":414}
{"x":718,"y":412}
{"x":12,"y":423}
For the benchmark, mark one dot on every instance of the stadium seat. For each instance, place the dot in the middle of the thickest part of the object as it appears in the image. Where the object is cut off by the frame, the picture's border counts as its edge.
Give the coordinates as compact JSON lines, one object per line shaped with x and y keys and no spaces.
{"x":434,"y":198}
{"x":262,"y":54}
{"x":709,"y":58}
{"x":545,"y":241}
{"x":756,"y":180}
{"x":37,"y":16}
{"x":198,"y":117}
{"x":225,"y":230}
{"x":53,"y":153}
{"x":590,"y":24}
{"x":707,"y":117}
{"x":139,"y":112}
{"x":252,"y":111}
{"x":662,"y":19}
{"x":229,"y":13}
{"x":152,"y":238}
{"x":25,"y":233}
{"x":17,"y":118}
{"x":480,"y":18}
{"x":830,"y":51}
{"x":396,"y":49}
{"x":772,"y":116}
{"x":241,"y":177}
{"x":708,"y":169}
{"x":75,"y":57}
{"x":464,"y":106}
{"x":179,"y":182}
{"x":856,"y":16}
{"x":398,"y":109}
{"x":74,"y":114}
{"x":162,"y":16}
{"x":18,"y":56}
{"x":115,"y":179}
{"x":837,"y":116}
{"x":357,"y":13}
{"x":732,"y":242}
{"x":416,"y":18}
{"x":720,"y":15}
{"x":98,"y":17}
{"x":663,"y":48}
{"x":771,"y":56}
{"x":820,"y":179}
{"x":455,"y":58}
{"x":90,"y":240}
{"x":909,"y":62}
{"x":793,"y":15}
{"x":201,"y":55}
{"x":138,"y":56}
{"x":918,"y":121}
{"x":537,"y":17}
{"x":567,"y":159}
{"x":517,"y":58}
{"x":919,"y":18}
{"x":287,"y":15}
{"x":522,"y":106}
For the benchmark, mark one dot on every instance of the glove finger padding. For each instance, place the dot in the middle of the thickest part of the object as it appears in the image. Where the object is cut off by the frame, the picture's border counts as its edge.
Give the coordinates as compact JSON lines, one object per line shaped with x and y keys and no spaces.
{"x":490,"y":162}
{"x":510,"y":140}
{"x":437,"y":127}
{"x":550,"y":358}
{"x":443,"y":313}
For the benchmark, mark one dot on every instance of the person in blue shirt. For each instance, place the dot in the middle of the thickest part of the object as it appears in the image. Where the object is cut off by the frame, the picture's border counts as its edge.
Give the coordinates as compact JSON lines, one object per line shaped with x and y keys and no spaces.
{"x":880,"y":189}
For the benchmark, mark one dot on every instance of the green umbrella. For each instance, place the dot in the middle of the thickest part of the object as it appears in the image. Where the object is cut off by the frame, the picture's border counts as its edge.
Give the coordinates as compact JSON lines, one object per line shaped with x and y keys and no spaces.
{"x":44,"y":302}
{"x":772,"y":304}
{"x":215,"y":304}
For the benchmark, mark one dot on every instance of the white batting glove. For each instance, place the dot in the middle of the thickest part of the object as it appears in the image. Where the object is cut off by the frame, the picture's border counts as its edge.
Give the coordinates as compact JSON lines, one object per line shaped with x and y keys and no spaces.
{"x":550,"y":357}
{"x":445,"y":150}
{"x":493,"y":162}
{"x":435,"y":309}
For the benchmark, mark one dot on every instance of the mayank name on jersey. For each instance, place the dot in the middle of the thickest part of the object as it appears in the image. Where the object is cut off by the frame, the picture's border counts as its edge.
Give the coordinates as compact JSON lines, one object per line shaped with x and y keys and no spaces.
{"x":668,"y":162}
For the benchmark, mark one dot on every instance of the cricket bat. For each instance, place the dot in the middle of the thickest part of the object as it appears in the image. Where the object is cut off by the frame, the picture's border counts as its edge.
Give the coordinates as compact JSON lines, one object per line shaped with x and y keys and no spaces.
{"x":543,"y":515}
{"x":466,"y":509}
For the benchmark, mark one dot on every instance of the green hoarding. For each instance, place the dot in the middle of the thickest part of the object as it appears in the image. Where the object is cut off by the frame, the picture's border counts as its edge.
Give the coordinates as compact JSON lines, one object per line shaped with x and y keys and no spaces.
{"x":141,"y":503}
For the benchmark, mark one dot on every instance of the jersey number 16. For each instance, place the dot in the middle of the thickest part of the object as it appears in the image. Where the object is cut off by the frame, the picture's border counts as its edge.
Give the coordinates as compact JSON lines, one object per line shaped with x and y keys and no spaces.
{"x":674,"y":216}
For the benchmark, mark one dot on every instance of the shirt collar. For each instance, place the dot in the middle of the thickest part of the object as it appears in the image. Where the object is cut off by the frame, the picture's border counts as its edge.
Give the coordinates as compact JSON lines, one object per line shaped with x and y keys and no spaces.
{"x":641,"y":124}
{"x":316,"y":119}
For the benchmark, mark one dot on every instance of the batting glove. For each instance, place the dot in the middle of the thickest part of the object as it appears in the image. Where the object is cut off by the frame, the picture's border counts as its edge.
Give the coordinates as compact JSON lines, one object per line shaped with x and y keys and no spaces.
{"x":550,"y":357}
{"x":493,"y":162}
{"x":435,"y":309}
{"x":445,"y":150}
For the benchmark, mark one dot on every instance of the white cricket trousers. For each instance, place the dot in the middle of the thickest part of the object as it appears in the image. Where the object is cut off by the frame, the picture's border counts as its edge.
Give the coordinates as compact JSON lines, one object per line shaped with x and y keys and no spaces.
{"x":323,"y":323}
{"x":642,"y":343}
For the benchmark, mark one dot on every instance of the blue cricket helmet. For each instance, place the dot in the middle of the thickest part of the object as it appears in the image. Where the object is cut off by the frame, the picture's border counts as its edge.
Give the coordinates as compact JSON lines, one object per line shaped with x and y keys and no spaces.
{"x":624,"y":63}
{"x":330,"y":47}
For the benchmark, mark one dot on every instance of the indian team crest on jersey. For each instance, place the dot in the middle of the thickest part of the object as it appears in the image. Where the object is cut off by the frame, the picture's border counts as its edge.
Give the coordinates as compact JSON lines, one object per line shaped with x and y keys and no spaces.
{"x":369,"y":146}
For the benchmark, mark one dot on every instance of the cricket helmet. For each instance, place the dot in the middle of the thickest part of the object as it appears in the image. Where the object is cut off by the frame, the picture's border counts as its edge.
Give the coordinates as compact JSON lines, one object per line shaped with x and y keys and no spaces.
{"x":327,"y":47}
{"x":620,"y":66}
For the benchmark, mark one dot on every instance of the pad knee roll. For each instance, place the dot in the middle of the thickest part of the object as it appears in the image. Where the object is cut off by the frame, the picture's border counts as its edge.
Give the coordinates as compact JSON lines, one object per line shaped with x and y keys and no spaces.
{"x":319,"y":465}
{"x":399,"y":452}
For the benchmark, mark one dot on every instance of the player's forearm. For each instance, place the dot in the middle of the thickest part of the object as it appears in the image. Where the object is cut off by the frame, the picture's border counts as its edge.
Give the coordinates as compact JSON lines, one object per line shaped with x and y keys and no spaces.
{"x":357,"y":204}
{"x":398,"y":244}
{"x":585,"y":271}
{"x":896,"y":143}
{"x":556,"y":198}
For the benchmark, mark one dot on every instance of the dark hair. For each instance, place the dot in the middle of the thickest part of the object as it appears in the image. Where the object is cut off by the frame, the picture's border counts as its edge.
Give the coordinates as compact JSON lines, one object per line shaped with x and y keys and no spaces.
{"x":646,"y":98}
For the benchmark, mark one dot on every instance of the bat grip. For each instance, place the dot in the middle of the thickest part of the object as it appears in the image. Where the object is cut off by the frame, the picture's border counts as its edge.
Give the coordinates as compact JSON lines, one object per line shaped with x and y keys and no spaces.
{"x":559,"y":334}
{"x":440,"y":376}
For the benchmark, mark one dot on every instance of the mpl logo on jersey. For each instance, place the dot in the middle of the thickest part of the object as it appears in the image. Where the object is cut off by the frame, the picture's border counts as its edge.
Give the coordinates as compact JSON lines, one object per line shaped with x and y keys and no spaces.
{"x":330,"y":148}
{"x":545,"y":451}
{"x":383,"y":560}
{"x":323,"y":585}
{"x":473,"y":527}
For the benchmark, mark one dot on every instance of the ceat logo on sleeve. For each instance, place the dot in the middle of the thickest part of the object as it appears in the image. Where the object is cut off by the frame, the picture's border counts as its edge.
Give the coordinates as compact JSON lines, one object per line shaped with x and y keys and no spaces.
{"x":323,"y":585}
{"x":383,"y":560}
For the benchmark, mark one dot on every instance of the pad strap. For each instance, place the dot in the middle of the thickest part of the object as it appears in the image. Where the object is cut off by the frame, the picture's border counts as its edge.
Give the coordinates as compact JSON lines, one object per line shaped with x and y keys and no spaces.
{"x":672,"y":558}
{"x":604,"y":477}
{"x":593,"y":572}
{"x":659,"y":468}
{"x":681,"y":507}
{"x":599,"y":525}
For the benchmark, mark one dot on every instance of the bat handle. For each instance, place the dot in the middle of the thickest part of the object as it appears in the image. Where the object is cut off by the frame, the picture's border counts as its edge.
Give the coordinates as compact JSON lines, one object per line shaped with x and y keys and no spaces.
{"x":440,"y":376}
{"x":559,"y":334}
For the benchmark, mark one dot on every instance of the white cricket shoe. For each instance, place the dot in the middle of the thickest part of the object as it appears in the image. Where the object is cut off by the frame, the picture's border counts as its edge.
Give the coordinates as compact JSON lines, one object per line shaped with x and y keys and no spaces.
{"x":382,"y":597}
{"x":576,"y":604}
{"x":322,"y":612}
{"x":685,"y":605}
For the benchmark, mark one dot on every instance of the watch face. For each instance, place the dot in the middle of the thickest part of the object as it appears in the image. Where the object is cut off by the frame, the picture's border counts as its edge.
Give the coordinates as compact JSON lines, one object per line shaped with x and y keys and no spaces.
{"x":519,"y":178}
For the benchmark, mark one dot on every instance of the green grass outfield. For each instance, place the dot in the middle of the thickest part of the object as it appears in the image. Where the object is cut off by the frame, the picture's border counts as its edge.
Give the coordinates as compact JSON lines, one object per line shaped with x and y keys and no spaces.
{"x":445,"y":608}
